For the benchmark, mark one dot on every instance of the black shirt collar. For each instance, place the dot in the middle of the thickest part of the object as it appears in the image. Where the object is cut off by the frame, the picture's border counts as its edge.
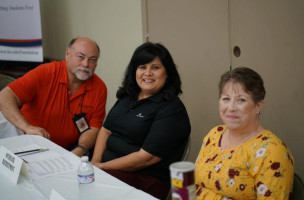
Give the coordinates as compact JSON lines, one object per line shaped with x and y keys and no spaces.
{"x":158,"y":97}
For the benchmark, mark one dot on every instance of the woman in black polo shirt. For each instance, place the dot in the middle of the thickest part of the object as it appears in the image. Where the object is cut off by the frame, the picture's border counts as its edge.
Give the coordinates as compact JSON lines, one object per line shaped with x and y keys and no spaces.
{"x":148,"y":126}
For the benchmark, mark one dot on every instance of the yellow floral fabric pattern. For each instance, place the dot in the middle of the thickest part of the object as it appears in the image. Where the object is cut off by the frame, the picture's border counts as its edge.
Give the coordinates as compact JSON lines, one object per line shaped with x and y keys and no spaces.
{"x":260,"y":168}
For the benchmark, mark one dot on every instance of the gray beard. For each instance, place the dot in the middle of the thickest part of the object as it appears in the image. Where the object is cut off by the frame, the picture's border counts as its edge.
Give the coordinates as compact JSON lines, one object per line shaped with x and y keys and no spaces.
{"x":79,"y":74}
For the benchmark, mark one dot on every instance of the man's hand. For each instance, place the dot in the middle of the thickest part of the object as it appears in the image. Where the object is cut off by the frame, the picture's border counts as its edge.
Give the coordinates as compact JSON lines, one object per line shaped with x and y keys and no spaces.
{"x":34,"y":130}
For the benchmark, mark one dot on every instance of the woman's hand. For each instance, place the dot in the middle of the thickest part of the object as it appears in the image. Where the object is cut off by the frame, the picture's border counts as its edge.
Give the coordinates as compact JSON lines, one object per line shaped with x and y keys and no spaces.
{"x":96,"y":164}
{"x":100,"y":146}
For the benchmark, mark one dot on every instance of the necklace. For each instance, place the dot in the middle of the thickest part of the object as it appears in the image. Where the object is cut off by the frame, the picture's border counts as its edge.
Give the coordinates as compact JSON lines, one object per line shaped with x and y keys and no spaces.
{"x":227,"y":144}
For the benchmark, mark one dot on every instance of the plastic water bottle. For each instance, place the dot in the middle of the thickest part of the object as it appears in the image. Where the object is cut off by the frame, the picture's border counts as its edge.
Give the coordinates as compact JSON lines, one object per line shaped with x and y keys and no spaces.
{"x":85,"y":172}
{"x":86,"y":178}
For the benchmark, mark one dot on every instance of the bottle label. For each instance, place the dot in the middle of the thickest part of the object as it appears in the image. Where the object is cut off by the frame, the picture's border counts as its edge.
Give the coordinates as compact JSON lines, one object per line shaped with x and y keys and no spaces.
{"x":86,"y":179}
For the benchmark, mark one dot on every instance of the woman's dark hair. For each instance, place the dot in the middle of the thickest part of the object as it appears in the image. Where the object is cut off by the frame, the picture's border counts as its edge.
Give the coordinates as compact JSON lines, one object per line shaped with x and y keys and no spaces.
{"x":251,"y":80}
{"x":144,"y":54}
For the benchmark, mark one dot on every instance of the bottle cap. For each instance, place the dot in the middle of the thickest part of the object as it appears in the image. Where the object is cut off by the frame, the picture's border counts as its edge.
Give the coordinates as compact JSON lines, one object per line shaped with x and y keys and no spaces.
{"x":84,"y":158}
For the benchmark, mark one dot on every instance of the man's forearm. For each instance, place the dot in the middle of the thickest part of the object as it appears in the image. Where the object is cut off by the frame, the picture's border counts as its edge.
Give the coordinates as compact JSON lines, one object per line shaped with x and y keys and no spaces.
{"x":86,"y":141}
{"x":9,"y":106}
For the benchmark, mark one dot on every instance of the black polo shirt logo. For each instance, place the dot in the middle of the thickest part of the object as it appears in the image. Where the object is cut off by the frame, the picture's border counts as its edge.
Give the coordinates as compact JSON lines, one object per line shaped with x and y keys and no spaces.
{"x":140,"y":115}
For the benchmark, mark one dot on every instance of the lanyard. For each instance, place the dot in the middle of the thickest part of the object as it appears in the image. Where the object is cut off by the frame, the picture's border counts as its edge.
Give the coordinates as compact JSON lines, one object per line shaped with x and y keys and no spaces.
{"x":78,"y":104}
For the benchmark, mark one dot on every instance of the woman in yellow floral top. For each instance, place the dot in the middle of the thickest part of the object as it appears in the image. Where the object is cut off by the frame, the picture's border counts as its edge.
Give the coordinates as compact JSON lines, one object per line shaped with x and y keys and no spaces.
{"x":242,"y":159}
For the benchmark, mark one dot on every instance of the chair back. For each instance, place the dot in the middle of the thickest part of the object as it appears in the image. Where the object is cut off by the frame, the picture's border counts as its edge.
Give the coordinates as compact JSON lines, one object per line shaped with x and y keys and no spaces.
{"x":184,"y":158}
{"x":298,"y":188}
{"x":5,"y":80}
{"x":187,"y":149}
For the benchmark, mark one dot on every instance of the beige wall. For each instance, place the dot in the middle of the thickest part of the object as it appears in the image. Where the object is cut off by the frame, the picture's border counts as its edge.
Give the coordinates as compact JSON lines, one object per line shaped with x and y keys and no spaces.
{"x":201,"y":35}
{"x":115,"y":25}
{"x":196,"y":34}
{"x":273,"y":45}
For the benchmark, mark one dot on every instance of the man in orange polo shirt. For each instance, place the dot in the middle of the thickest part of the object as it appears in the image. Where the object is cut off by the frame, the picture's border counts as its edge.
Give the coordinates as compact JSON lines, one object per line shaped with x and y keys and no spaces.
{"x":62,"y":101}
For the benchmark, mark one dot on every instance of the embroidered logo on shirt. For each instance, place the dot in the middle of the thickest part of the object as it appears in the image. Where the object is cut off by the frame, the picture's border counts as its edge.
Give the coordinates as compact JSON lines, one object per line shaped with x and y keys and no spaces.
{"x":139,"y":115}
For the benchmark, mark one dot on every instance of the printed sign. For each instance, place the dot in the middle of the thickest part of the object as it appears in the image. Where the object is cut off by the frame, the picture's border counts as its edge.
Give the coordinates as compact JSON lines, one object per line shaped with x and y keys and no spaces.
{"x":10,"y":164}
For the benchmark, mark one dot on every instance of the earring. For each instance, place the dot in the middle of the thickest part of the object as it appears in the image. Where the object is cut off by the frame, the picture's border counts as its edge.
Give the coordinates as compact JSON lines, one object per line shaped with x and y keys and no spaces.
{"x":259,"y":115}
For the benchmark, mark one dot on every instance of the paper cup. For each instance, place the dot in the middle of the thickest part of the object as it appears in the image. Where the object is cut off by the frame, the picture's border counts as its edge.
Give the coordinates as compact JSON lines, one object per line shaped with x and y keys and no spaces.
{"x":182,"y":180}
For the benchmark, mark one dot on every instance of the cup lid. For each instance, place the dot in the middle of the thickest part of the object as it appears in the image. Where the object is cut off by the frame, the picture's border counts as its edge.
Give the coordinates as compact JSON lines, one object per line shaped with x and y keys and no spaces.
{"x":182,"y":166}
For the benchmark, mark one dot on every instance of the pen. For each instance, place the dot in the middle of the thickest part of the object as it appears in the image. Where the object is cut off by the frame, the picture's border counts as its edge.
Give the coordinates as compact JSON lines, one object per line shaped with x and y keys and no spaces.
{"x":34,"y":150}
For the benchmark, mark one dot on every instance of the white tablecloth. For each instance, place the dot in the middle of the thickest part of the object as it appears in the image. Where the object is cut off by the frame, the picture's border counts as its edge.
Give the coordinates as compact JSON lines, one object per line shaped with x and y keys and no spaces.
{"x":105,"y":186}
{"x":7,"y":129}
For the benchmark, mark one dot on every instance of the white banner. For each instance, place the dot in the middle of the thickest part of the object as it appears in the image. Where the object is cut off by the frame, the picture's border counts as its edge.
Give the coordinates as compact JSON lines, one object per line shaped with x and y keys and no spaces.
{"x":20,"y":31}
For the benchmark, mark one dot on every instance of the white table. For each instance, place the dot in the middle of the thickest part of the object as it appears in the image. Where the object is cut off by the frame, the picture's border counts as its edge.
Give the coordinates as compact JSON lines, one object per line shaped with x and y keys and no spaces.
{"x":105,"y":187}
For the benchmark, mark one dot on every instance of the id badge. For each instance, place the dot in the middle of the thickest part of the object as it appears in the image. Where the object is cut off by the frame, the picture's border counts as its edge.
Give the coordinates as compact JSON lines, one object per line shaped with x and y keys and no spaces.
{"x":81,"y":123}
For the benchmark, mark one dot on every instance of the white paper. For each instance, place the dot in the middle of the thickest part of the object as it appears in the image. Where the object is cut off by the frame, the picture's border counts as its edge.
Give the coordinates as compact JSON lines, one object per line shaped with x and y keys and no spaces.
{"x":40,"y":155}
{"x":26,"y":148}
{"x":45,"y":163}
{"x":51,"y":166}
